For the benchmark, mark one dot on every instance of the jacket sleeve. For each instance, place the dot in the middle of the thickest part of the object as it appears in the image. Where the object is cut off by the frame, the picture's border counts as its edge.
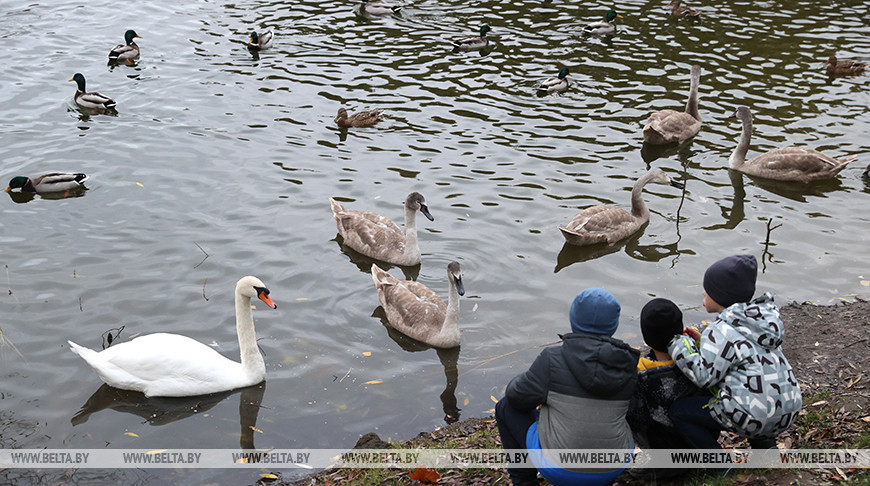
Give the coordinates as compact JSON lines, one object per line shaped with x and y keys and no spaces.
{"x":529,"y":389}
{"x":706,"y":362}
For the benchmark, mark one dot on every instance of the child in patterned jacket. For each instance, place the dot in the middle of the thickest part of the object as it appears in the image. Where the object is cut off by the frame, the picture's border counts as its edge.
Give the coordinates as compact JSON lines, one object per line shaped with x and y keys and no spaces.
{"x":738,"y":356}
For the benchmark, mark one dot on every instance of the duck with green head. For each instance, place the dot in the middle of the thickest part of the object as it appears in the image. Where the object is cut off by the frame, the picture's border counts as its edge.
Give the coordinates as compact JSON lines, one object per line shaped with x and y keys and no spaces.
{"x":606,"y":26}
{"x":260,"y":42}
{"x":130,"y":50}
{"x":54,"y":182}
{"x":557,"y":84}
{"x":473,"y":43}
{"x":92,"y":100}
{"x":378,"y":8}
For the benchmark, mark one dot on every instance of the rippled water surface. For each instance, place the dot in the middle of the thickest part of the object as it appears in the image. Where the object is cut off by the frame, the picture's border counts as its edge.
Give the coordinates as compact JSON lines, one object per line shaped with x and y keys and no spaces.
{"x":220,"y":164}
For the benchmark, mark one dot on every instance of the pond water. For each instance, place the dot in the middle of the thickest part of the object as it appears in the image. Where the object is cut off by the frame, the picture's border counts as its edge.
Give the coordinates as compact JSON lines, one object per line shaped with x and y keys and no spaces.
{"x":220,"y":163}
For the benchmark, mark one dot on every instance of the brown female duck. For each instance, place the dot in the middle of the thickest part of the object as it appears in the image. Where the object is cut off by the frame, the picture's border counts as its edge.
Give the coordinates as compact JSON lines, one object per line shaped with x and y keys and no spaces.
{"x":358,"y":119}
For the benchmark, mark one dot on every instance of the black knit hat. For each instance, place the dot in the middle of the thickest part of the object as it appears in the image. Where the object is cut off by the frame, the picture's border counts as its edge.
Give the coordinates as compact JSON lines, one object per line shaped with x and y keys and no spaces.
{"x":731,"y":280}
{"x":660,"y":321}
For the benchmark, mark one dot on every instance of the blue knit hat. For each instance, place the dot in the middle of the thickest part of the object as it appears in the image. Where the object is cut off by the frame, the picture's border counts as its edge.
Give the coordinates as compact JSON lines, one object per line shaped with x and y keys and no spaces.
{"x":595,"y":311}
{"x":731,"y":280}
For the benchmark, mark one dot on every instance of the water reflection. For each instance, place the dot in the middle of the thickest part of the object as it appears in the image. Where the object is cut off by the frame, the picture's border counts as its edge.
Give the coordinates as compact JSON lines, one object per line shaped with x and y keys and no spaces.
{"x":650,"y":152}
{"x":448,"y":357}
{"x":165,"y":410}
{"x":25,"y":197}
{"x":736,"y":214}
{"x":798,"y":191}
{"x":113,"y":63}
{"x":571,"y":254}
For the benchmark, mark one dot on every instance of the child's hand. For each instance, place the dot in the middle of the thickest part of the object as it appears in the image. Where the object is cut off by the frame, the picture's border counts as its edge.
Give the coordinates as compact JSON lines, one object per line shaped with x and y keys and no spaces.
{"x":692,"y":332}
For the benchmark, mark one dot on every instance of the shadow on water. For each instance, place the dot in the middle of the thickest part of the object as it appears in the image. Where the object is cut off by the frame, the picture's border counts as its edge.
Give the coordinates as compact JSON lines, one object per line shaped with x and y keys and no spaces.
{"x":165,"y":410}
{"x":364,"y":263}
{"x":736,"y":214}
{"x":448,"y":357}
{"x":571,"y":254}
{"x":798,"y":191}
{"x":24,"y":197}
{"x":650,"y":152}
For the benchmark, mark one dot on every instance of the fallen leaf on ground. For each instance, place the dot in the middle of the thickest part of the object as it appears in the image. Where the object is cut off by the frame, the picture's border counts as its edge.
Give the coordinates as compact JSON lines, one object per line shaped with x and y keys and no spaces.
{"x":426,"y":476}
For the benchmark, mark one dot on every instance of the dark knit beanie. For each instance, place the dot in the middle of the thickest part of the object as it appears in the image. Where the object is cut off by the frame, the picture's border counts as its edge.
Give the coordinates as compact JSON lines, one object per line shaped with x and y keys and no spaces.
{"x":595,"y":311}
{"x":731,"y":280}
{"x":660,"y":321}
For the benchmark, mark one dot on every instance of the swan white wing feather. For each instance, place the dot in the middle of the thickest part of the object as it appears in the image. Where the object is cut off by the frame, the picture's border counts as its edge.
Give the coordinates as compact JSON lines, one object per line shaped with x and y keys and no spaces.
{"x":172,"y":364}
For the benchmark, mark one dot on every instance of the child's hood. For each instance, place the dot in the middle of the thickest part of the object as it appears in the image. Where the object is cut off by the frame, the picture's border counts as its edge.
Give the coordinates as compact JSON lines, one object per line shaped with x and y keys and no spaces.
{"x":758,"y":320}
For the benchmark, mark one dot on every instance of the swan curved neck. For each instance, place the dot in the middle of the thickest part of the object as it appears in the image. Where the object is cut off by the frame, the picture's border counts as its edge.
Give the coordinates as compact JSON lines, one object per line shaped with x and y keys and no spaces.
{"x":692,"y":104}
{"x":450,"y":328}
{"x":252,"y":360}
{"x":638,"y":207}
{"x":412,"y":247}
{"x":738,"y":157}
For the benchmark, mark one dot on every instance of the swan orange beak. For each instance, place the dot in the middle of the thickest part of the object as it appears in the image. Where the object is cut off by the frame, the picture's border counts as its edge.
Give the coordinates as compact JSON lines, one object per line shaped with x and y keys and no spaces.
{"x":264,"y":296}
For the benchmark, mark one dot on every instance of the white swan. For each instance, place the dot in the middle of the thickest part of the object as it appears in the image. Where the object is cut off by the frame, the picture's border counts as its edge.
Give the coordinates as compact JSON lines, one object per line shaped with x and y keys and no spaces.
{"x":171,"y":365}
{"x":416,"y":311}
{"x":378,"y":237}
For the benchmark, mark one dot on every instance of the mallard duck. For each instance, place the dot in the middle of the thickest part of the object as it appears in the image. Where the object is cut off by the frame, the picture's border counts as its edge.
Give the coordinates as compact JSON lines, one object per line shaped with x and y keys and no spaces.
{"x":416,"y":311}
{"x":683,"y":11}
{"x":126,"y":51}
{"x":172,"y":365}
{"x":670,"y":126}
{"x":844,"y":66}
{"x":557,"y":84}
{"x":378,"y":8}
{"x":260,"y":42}
{"x":866,"y":174}
{"x":359,"y":119}
{"x":378,"y":237}
{"x":53,"y":182}
{"x":609,"y":224}
{"x":607,"y":26}
{"x":91,"y":100}
{"x":800,"y":164}
{"x":473,"y":43}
